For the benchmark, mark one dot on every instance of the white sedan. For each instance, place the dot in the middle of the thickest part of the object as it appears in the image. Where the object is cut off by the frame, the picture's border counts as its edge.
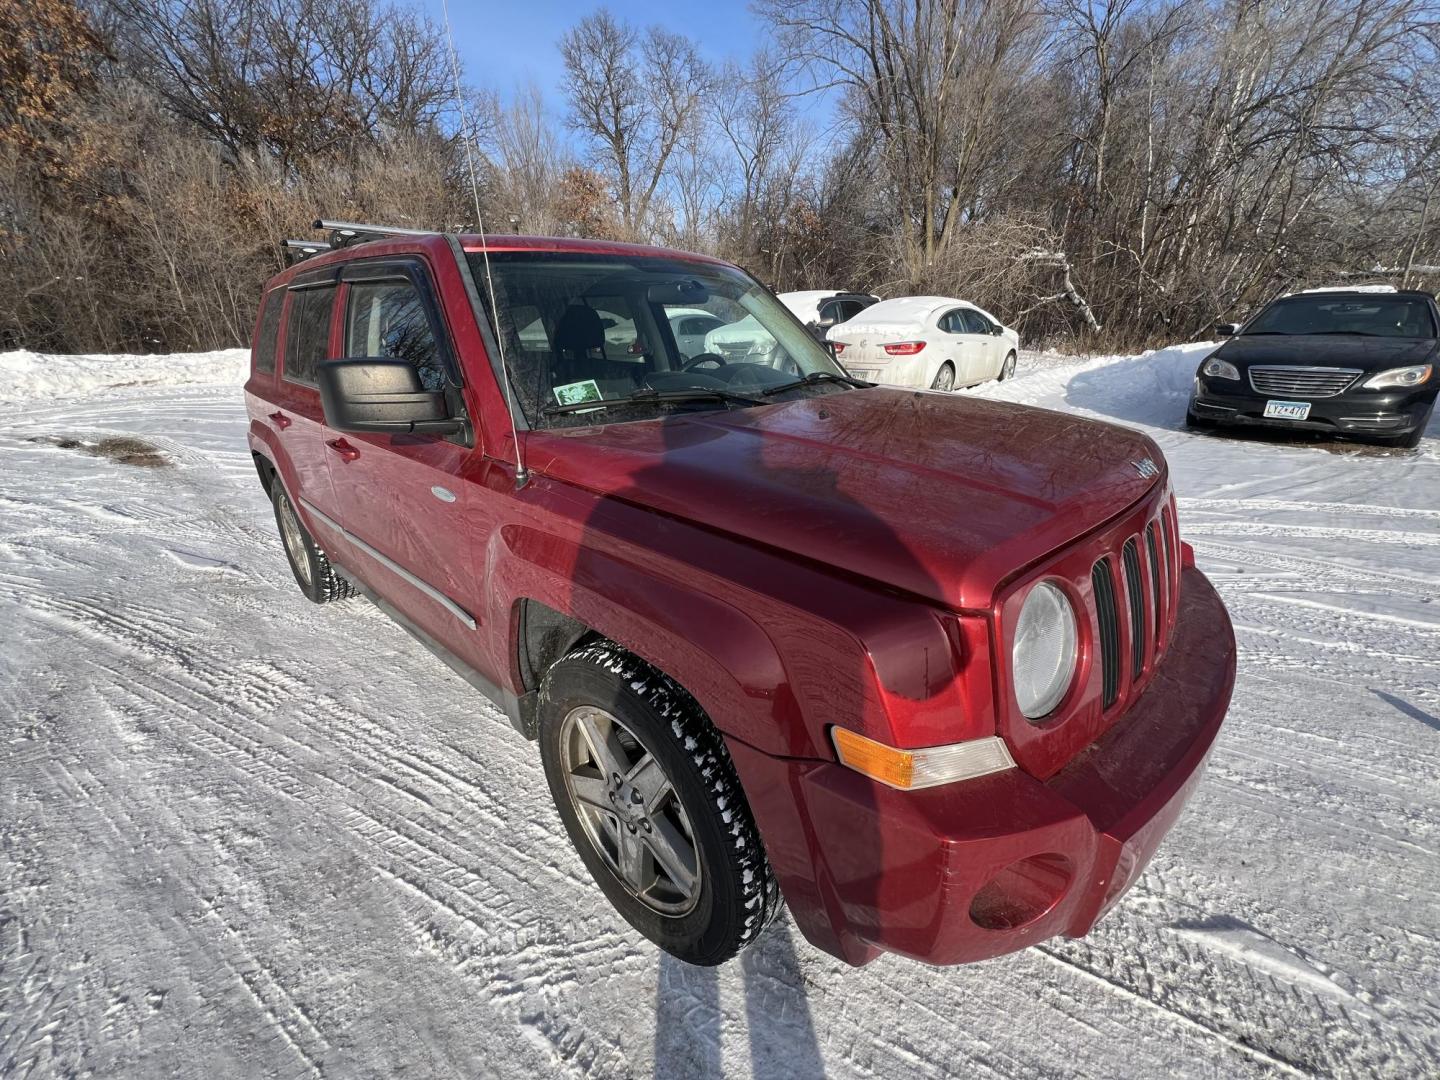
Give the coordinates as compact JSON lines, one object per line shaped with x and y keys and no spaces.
{"x":929,"y":342}
{"x":745,"y":341}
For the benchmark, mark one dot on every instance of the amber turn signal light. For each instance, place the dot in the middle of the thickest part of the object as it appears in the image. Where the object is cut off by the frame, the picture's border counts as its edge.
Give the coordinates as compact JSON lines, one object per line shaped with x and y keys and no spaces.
{"x":909,"y":770}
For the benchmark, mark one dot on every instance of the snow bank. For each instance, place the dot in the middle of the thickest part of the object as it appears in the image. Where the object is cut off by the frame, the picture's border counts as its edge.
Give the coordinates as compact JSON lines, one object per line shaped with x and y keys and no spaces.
{"x":1151,"y":389}
{"x":27,"y":375}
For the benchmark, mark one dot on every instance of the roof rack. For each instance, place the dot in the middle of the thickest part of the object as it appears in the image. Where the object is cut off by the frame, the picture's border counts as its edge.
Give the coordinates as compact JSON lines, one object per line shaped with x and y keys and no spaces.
{"x":345,"y":233}
{"x":295,"y":250}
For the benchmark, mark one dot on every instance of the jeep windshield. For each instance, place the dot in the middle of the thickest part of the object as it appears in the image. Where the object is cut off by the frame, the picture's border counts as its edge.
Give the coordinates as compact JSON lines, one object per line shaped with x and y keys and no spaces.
{"x":613,"y":338}
{"x":1362,"y":316}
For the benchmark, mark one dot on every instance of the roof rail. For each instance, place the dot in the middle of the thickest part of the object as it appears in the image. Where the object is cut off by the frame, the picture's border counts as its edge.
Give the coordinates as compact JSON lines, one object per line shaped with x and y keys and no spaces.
{"x":295,"y":250}
{"x":345,"y":233}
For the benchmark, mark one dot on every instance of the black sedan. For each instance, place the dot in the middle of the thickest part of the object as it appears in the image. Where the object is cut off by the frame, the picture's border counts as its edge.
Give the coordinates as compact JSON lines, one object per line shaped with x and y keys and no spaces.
{"x":1344,"y":362}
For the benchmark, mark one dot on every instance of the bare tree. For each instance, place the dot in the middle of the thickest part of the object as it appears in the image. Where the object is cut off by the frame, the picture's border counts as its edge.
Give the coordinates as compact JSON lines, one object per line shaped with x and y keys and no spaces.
{"x":635,"y":96}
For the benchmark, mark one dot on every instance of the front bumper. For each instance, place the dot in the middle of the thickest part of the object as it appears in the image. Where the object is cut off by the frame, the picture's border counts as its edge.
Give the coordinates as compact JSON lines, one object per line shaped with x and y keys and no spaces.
{"x":984,"y":867}
{"x":1355,"y":412}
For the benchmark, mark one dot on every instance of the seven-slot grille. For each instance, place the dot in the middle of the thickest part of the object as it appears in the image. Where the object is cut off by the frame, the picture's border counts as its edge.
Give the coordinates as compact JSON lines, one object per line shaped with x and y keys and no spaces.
{"x":1125,"y":631}
{"x":1304,"y":382}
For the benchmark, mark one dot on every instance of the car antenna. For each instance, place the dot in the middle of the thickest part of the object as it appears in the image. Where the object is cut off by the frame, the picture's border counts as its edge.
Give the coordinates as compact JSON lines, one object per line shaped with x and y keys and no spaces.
{"x":522,"y":474}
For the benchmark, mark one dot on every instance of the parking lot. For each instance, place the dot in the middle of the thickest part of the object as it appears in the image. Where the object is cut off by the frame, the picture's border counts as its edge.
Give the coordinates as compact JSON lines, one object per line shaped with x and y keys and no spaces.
{"x":242,"y":835}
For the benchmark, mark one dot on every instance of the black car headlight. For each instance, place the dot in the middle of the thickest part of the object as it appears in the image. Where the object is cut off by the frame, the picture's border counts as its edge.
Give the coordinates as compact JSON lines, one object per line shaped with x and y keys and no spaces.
{"x":1400,"y":378}
{"x":1219,"y":369}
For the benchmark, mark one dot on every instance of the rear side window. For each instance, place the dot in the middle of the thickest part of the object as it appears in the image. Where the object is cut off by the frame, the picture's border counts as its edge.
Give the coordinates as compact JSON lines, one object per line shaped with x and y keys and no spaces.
{"x":307,"y":341}
{"x":387,"y":318}
{"x":268,"y":332}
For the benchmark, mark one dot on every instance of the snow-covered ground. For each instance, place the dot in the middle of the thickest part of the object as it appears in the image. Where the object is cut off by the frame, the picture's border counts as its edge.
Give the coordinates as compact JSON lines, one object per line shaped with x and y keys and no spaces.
{"x":244,"y":836}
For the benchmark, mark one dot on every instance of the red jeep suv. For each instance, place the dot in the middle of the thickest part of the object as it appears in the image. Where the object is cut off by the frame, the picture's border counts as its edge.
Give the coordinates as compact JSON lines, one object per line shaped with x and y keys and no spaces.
{"x":937,"y":670}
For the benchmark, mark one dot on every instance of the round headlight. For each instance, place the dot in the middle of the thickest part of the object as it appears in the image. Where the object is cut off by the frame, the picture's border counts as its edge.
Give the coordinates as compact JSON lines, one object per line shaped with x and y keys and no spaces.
{"x":1043,"y":658}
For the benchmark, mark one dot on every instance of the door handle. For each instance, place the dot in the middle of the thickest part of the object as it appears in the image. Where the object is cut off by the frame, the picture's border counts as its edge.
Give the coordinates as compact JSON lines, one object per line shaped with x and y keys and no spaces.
{"x":344,"y":449}
{"x":281,"y":420}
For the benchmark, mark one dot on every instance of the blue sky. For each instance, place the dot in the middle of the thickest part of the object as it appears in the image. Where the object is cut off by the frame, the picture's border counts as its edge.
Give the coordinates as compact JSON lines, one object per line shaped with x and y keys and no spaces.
{"x":505,"y":45}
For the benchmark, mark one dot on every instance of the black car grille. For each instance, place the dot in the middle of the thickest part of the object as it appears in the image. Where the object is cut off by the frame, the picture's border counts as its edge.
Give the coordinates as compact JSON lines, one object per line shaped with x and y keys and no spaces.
{"x":1102,"y":578}
{"x":1134,"y":629}
{"x":1302,"y":382}
{"x":1135,"y":596}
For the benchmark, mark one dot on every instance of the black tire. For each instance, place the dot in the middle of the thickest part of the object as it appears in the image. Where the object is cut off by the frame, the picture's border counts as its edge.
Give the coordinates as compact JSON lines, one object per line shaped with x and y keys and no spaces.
{"x":941,"y":383}
{"x":314,"y":573}
{"x":736,"y":896}
{"x":1405,"y":442}
{"x":1412,"y":440}
{"x":1007,"y":369}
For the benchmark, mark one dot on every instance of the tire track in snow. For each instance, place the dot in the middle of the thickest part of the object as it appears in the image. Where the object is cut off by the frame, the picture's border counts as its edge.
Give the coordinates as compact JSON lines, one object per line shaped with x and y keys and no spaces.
{"x":430,"y":856}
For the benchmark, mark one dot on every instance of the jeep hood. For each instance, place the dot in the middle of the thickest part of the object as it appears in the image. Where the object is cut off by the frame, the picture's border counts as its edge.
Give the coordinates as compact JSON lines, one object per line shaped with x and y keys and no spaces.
{"x":939,"y":495}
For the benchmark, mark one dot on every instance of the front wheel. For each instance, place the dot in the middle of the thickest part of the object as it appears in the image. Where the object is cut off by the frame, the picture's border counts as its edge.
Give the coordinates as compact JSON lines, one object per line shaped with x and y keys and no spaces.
{"x":649,"y":796}
{"x":1007,"y":369}
{"x":944,"y":378}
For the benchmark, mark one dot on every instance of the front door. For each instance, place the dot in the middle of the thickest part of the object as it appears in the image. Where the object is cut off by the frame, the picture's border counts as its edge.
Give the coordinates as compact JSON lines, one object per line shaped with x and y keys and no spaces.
{"x":408,"y":515}
{"x":987,"y":365}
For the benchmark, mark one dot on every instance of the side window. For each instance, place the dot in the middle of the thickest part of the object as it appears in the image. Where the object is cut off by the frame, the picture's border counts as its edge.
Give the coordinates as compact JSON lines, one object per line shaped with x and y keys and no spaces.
{"x":848,"y":309}
{"x":975,"y":323}
{"x":951,"y":323}
{"x":307,"y":339}
{"x":387,"y":318}
{"x":268,"y":332}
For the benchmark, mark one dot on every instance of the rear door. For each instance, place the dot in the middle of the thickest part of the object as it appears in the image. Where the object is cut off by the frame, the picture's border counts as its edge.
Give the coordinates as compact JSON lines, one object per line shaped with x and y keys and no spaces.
{"x":401,"y":500}
{"x":297,"y":417}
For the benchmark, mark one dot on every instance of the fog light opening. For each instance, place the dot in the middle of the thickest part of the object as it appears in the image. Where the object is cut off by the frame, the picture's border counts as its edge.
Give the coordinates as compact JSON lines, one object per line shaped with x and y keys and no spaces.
{"x":1021,"y":893}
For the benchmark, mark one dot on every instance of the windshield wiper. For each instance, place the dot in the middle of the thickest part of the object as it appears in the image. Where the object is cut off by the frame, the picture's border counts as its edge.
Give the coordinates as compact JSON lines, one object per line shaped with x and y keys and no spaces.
{"x":816,"y":377}
{"x":648,"y":394}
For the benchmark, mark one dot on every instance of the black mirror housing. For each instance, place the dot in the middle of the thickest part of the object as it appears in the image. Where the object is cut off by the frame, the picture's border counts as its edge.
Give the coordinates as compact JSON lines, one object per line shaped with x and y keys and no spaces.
{"x":382,"y":394}
{"x":686,"y":291}
{"x":1226,"y":329}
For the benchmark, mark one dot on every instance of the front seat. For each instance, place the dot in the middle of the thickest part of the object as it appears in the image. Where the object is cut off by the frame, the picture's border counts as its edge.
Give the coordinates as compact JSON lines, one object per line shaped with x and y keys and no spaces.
{"x":579,"y":331}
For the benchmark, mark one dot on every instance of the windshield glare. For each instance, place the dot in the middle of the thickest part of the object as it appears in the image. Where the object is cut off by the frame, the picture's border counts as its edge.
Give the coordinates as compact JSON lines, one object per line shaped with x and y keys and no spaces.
{"x":640,"y":332}
{"x":1379,"y":316}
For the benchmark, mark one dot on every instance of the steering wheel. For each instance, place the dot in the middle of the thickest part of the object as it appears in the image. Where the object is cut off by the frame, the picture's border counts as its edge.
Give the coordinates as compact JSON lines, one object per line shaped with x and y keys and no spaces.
{"x":704,"y":359}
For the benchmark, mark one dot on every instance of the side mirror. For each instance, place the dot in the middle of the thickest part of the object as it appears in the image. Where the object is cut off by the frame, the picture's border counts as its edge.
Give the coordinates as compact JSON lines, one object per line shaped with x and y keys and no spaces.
{"x":824,"y":322}
{"x":382,"y":394}
{"x":996,"y":329}
{"x":1226,"y":329}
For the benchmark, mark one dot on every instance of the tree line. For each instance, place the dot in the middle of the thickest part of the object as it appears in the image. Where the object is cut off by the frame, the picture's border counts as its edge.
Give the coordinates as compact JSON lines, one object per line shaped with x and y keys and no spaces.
{"x":1102,"y":175}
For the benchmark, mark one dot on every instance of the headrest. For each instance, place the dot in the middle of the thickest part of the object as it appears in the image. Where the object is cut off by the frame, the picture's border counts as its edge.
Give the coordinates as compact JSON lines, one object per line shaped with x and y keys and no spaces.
{"x":579,"y":330}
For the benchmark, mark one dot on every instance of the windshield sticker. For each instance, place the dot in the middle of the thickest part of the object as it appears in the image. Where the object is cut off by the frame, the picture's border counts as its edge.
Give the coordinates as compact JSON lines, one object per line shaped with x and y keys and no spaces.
{"x":576,"y":392}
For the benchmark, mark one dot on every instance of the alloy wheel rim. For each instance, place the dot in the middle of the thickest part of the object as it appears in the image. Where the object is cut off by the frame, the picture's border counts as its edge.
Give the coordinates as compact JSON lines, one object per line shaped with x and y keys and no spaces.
{"x":294,"y":539}
{"x":945,"y":380}
{"x":630,"y":811}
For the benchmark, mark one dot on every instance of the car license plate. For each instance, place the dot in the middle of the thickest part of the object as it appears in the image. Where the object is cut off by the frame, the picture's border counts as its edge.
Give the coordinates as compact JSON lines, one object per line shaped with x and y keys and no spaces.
{"x":1287,"y":410}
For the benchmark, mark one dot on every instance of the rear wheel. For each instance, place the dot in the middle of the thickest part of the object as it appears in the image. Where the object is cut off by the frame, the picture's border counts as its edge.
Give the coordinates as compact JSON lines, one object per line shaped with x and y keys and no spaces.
{"x":944,"y":378}
{"x":649,"y":796}
{"x":317,"y":577}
